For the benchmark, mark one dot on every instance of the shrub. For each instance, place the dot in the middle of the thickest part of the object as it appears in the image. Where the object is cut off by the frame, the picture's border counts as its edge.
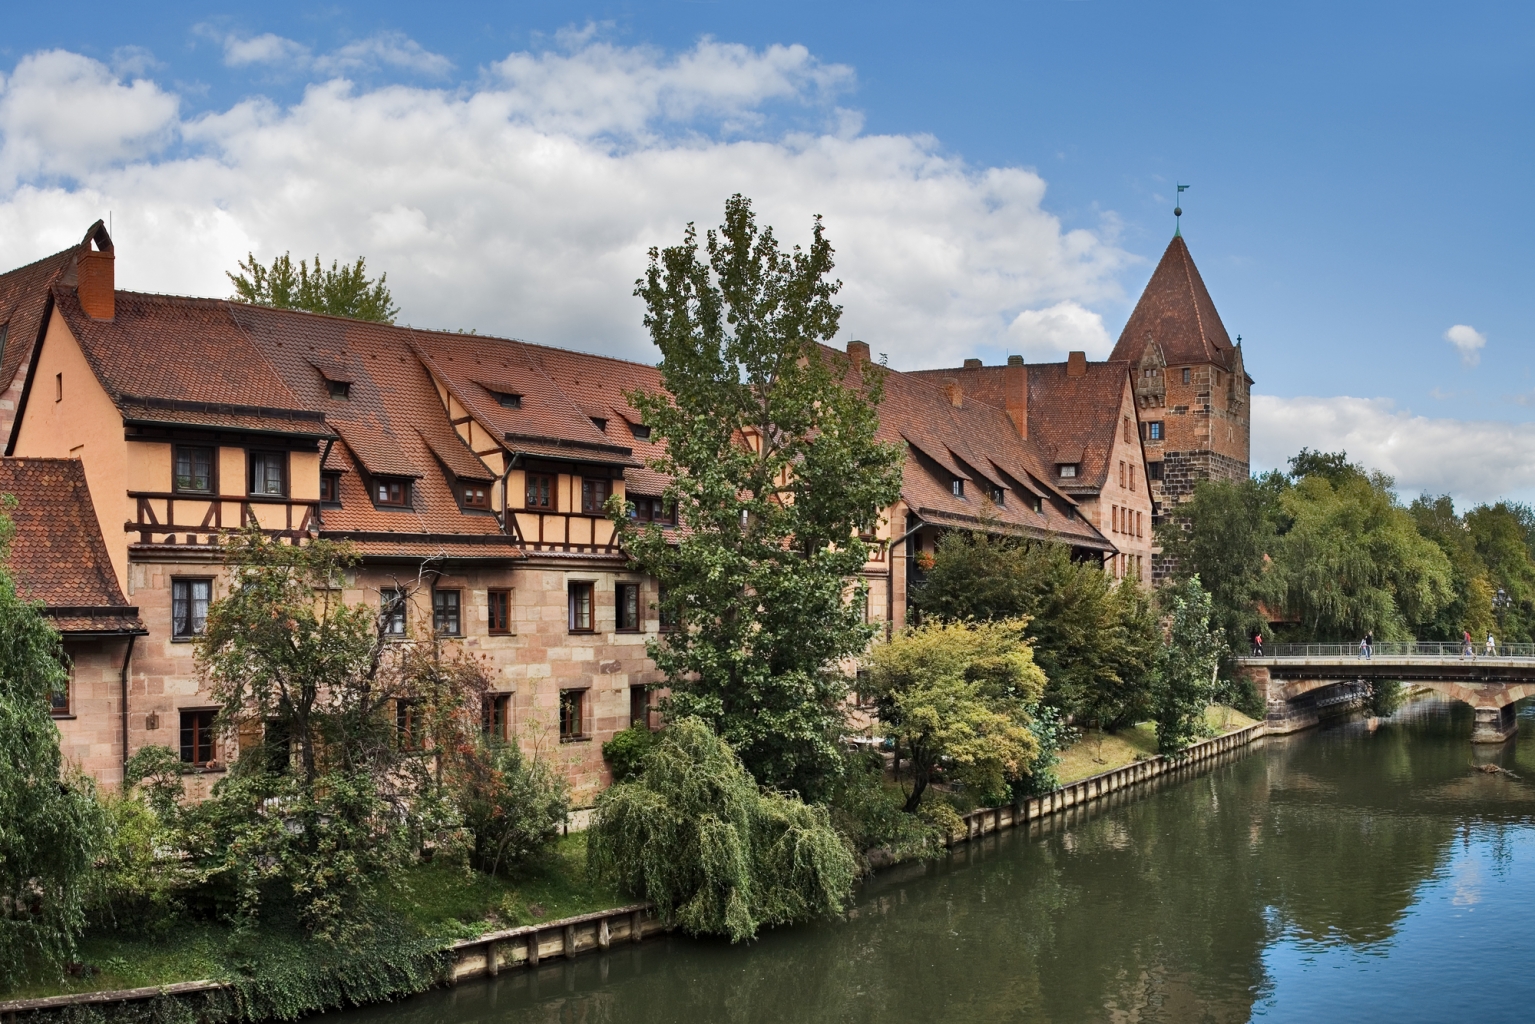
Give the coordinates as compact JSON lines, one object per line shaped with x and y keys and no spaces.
{"x":512,"y":805}
{"x":869,"y":813}
{"x":625,"y":752}
{"x":715,"y":854}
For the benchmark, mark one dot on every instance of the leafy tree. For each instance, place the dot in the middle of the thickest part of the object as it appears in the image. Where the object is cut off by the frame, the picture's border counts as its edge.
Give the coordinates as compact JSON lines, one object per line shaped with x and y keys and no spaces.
{"x":371,"y":724}
{"x":1095,"y":641}
{"x":959,"y":694}
{"x":50,"y":824}
{"x":1471,"y":606}
{"x":1333,"y":467}
{"x":770,"y":441}
{"x":512,"y":805}
{"x":715,"y":854}
{"x":625,"y":752}
{"x":1186,"y":670}
{"x":339,"y":291}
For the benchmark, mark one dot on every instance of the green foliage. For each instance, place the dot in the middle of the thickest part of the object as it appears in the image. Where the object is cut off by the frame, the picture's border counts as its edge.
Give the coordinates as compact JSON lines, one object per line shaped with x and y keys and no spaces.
{"x":1052,"y":735}
{"x":625,"y":752}
{"x":339,"y":291}
{"x":960,"y":695}
{"x":715,"y":854}
{"x":1095,"y":641}
{"x":1386,"y":696}
{"x":1333,"y":467}
{"x":872,"y":816}
{"x":513,"y":805}
{"x":50,"y":825}
{"x":135,"y":887}
{"x":770,"y":441}
{"x":1186,"y":670}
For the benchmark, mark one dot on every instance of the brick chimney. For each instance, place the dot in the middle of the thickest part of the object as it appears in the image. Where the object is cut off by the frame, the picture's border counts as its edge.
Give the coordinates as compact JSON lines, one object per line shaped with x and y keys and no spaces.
{"x":858,"y":352}
{"x":954,"y":391}
{"x":972,"y":364}
{"x":1015,"y":386}
{"x":96,"y":283}
{"x":1076,"y":364}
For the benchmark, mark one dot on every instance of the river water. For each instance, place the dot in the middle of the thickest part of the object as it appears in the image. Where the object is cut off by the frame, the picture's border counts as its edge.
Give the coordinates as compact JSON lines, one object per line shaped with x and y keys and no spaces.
{"x":1347,"y":874}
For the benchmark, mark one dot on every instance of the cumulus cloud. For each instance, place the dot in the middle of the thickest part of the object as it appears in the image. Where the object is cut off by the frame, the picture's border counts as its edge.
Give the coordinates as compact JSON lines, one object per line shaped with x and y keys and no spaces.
{"x":1473,"y":460}
{"x":1046,"y":335}
{"x":385,"y":50}
{"x":1468,"y":341}
{"x":524,"y":203}
{"x":267,"y":48}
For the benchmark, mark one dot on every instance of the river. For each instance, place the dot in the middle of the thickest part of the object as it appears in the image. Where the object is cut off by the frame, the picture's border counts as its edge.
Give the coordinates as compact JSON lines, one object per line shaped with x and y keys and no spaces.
{"x":1347,"y":874}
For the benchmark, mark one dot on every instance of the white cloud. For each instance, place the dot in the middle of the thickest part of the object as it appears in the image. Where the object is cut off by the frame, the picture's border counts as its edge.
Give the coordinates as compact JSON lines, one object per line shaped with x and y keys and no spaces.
{"x":1473,"y":460}
{"x":267,"y":48}
{"x":385,"y":50}
{"x":524,"y":204}
{"x":64,"y":114}
{"x":1046,"y":335}
{"x":1468,"y":341}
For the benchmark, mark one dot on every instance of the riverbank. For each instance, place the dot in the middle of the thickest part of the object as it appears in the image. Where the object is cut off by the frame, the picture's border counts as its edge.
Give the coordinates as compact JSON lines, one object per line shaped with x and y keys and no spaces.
{"x":455,"y":924}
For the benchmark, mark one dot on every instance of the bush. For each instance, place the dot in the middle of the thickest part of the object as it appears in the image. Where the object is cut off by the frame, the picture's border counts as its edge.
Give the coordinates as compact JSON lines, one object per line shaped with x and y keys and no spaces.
{"x":134,"y":888}
{"x":512,"y":805}
{"x":869,"y":813}
{"x":715,"y":854}
{"x":625,"y":752}
{"x":1386,"y":696}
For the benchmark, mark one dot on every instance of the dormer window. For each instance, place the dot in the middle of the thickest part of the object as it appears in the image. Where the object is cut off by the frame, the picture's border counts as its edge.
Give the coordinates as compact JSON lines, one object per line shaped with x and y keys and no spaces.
{"x":1039,"y":505}
{"x":600,"y":423}
{"x":392,"y":492}
{"x":640,"y":431}
{"x":998,"y":496}
{"x":507,"y":400}
{"x":476,"y":496}
{"x":1067,"y":470}
{"x":339,"y":389}
{"x":330,"y":488}
{"x":957,"y":486}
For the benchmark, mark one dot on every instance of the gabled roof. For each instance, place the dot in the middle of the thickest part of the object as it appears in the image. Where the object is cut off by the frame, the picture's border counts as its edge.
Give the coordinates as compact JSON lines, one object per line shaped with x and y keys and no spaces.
{"x":24,"y":296}
{"x":1176,"y":312}
{"x":1076,"y":418}
{"x":58,"y":556}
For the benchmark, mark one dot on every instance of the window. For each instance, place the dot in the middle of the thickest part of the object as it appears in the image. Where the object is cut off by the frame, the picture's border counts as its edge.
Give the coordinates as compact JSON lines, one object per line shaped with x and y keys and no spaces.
{"x":1154,"y":431}
{"x":499,"y":603}
{"x":1039,"y":505}
{"x":958,"y":487}
{"x":392,"y":492}
{"x":1187,"y":374}
{"x":572,"y":715}
{"x":1068,"y":470}
{"x":407,"y":724}
{"x":391,"y":605}
{"x":189,"y":606}
{"x":1150,"y":371}
{"x":58,"y":387}
{"x":639,"y":707}
{"x":194,"y":469}
{"x":269,"y":473}
{"x":476,"y":496}
{"x":330,"y":488}
{"x":600,"y":423}
{"x":507,"y":400}
{"x":339,"y":389}
{"x":581,"y":607}
{"x":1153,"y":471}
{"x":593,"y":494}
{"x":640,"y":431}
{"x":540,"y":490}
{"x":1140,"y":523}
{"x":445,"y":618}
{"x":1114,"y":518}
{"x":998,"y":496}
{"x":496,"y":717}
{"x":1127,"y":428}
{"x":197,"y":737}
{"x":651,"y":510}
{"x":627,"y":618}
{"x":58,"y":699}
{"x":1132,"y":478}
{"x":1121,"y":474}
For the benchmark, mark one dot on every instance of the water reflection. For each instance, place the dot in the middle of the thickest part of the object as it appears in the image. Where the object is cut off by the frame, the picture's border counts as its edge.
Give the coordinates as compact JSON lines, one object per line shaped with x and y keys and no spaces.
{"x":1329,"y":876}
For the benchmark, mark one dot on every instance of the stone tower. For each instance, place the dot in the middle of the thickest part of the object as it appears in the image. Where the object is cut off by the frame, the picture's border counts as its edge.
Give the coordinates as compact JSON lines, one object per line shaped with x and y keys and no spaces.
{"x":1193,"y":394}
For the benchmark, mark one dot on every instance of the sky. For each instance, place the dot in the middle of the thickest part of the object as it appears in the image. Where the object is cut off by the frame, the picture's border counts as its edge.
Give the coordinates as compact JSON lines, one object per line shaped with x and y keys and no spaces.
{"x":996,"y":178}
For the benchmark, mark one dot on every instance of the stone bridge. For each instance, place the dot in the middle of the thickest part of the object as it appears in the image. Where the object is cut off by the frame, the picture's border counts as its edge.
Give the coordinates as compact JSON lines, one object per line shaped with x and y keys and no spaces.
{"x":1302,"y":682}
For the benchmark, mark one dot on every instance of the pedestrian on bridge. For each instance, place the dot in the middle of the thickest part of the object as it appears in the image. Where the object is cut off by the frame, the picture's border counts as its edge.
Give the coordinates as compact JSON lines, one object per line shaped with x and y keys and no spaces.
{"x":1492,"y":646}
{"x":1257,"y":644}
{"x":1468,"y":650}
{"x":1367,"y":646}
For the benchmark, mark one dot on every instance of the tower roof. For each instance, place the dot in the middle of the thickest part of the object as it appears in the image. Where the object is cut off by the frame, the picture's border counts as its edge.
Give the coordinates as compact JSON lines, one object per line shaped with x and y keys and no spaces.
{"x":1177,"y":313}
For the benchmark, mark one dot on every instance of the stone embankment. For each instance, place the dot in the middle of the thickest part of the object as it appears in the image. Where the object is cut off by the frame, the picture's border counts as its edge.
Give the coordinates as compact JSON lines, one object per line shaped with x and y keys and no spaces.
{"x":528,"y":946}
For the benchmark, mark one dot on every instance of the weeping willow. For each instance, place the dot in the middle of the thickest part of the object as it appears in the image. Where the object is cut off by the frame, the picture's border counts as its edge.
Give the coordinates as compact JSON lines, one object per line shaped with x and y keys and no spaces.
{"x":715,"y":854}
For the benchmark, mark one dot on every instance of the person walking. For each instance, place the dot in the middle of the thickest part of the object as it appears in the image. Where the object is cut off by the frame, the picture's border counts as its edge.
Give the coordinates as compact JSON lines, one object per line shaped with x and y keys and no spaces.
{"x":1492,"y":645}
{"x":1257,"y":644}
{"x":1467,"y":650}
{"x":1369,"y":644}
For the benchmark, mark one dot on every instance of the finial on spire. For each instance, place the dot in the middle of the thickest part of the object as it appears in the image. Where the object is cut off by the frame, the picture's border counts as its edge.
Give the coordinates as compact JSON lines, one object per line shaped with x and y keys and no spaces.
{"x":1178,"y":213}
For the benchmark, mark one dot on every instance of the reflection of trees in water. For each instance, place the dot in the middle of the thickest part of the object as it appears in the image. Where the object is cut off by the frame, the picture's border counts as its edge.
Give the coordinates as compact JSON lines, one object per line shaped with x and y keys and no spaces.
{"x":1158,"y":910}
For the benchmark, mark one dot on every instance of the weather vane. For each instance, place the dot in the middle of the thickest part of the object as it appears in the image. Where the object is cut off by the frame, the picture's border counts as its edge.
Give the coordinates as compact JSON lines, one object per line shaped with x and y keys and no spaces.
{"x":1178,"y":213}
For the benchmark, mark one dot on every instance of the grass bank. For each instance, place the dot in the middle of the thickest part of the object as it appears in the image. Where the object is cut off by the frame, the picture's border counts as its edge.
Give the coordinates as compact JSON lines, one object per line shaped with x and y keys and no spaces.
{"x":1098,"y":751}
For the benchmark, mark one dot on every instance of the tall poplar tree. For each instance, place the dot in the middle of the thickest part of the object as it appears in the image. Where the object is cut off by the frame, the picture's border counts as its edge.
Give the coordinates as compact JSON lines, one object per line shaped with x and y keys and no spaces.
{"x":770,"y":441}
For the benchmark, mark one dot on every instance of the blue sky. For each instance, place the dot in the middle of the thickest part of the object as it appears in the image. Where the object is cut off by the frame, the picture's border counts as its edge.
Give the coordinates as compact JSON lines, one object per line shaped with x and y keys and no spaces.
{"x":998,"y":177}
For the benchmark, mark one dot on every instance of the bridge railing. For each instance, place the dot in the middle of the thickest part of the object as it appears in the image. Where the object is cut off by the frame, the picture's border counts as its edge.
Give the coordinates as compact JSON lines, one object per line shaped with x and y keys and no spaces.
{"x":1395,"y":649}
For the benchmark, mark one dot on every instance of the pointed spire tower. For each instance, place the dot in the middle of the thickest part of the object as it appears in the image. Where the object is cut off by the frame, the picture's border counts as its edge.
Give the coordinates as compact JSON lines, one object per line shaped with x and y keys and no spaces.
{"x":1190,"y":383}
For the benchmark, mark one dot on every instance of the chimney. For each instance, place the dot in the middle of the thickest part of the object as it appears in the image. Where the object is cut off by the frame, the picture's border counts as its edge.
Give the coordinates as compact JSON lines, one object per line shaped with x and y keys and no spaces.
{"x":972,"y":364}
{"x":95,"y":279}
{"x":1076,"y":364}
{"x":954,"y":391}
{"x":858,"y":352}
{"x":1015,"y":388}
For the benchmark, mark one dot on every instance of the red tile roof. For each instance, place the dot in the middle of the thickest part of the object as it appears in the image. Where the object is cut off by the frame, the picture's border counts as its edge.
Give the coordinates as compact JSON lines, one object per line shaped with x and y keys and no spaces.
{"x":57,"y":555}
{"x":1176,"y":312}
{"x":24,"y":295}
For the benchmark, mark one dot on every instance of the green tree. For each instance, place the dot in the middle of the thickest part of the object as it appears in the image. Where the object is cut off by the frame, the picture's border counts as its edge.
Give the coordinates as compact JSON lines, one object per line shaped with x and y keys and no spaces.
{"x":1094,"y":640}
{"x":716,"y":854}
{"x":513,"y":805}
{"x":50,"y":824}
{"x":1471,"y":606}
{"x":1186,"y":670}
{"x":770,"y":442}
{"x":339,"y":291}
{"x":959,"y":694}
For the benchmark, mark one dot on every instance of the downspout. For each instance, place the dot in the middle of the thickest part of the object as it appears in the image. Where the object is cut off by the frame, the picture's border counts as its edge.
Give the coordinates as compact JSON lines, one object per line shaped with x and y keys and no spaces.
{"x":127,"y":659}
{"x":890,"y":578}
